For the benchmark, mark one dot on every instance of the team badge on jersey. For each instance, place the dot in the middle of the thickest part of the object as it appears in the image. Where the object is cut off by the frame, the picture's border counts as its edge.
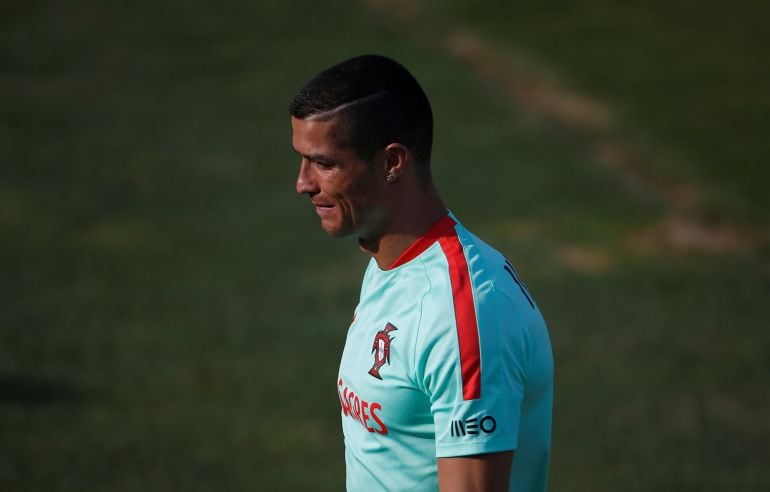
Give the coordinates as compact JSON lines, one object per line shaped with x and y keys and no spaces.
{"x":381,"y":349}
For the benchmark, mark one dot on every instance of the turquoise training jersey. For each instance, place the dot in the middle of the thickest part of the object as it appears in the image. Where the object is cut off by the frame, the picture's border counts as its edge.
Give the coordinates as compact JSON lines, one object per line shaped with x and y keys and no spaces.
{"x":447,"y":355}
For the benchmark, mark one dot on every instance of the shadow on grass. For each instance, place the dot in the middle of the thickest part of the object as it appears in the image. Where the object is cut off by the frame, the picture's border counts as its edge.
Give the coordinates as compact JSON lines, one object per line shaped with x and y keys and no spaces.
{"x":32,"y":391}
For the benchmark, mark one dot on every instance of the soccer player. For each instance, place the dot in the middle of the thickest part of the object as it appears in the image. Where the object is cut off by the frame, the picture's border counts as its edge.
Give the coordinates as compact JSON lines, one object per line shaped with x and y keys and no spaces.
{"x":446,"y":376}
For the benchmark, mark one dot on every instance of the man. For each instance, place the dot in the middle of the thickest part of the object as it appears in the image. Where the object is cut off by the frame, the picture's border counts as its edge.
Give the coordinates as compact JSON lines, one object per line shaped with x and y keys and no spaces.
{"x":446,"y":376}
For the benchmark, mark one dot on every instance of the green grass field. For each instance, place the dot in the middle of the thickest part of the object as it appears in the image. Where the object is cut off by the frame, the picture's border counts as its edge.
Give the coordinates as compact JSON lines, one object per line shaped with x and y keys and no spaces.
{"x":173,"y":315}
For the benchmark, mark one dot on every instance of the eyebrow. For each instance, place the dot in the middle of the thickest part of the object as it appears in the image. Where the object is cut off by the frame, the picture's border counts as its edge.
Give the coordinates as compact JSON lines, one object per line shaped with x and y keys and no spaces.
{"x":315,"y":157}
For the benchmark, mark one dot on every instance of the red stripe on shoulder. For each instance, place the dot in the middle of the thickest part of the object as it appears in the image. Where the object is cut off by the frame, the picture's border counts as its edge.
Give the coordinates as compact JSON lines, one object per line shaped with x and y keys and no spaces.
{"x":465,"y":315}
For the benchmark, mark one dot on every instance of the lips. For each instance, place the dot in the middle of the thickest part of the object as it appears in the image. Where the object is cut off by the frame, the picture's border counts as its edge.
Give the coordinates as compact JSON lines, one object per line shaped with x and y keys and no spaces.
{"x":323,"y":208}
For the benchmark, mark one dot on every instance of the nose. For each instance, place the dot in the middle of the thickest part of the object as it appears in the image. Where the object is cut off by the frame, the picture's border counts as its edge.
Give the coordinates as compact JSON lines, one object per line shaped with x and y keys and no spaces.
{"x":306,"y":182}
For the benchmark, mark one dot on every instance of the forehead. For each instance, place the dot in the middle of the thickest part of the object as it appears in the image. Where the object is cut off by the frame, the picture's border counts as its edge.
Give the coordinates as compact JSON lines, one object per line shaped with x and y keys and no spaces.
{"x":313,"y":136}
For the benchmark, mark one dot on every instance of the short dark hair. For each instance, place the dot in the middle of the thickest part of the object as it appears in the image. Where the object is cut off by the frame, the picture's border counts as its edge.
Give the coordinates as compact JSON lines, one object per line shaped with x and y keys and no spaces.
{"x":377,"y":102}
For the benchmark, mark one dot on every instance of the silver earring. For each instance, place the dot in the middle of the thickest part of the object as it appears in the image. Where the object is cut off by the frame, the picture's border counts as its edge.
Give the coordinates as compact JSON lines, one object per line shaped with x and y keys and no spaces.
{"x":389,"y":178}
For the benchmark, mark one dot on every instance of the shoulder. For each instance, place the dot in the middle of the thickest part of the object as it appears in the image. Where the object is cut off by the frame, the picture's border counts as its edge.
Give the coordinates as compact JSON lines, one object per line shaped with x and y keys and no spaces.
{"x":491,"y":270}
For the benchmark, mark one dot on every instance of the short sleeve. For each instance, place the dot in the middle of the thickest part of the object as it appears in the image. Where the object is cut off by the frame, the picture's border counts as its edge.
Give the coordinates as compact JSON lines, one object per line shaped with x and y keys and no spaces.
{"x":489,"y":422}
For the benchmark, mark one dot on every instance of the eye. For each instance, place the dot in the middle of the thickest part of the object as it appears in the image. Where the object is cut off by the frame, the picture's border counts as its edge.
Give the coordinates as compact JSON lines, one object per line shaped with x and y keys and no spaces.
{"x":324,"y":164}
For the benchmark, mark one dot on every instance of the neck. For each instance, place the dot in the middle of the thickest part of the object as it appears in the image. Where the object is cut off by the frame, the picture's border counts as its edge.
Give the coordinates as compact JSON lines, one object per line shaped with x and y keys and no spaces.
{"x":410,"y":216}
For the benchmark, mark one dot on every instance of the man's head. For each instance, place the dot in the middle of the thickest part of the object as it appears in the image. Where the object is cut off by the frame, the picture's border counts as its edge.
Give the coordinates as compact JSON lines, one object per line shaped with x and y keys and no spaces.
{"x":364,"y":131}
{"x":373,"y":101}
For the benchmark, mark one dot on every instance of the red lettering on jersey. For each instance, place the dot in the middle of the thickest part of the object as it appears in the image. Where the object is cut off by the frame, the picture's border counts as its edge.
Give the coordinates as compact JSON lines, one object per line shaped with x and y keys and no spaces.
{"x":343,"y":399}
{"x":383,"y":428}
{"x":360,"y":410}
{"x":356,"y":405}
{"x":364,"y":416}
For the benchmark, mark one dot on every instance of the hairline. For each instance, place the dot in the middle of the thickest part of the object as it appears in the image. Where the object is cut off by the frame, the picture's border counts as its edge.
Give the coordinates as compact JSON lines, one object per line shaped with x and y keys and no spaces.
{"x":336,"y":111}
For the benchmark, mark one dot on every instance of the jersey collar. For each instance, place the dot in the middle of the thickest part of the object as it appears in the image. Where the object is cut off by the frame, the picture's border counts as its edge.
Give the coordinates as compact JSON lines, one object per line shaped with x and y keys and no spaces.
{"x":444,"y":227}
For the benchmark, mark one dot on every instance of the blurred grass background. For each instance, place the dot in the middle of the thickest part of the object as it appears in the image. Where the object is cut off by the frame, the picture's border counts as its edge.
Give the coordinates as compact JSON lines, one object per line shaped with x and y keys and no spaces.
{"x":173,"y":315}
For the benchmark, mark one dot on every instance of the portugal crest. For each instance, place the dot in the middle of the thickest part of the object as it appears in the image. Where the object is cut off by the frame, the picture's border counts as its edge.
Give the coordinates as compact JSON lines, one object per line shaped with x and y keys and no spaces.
{"x":381,"y":349}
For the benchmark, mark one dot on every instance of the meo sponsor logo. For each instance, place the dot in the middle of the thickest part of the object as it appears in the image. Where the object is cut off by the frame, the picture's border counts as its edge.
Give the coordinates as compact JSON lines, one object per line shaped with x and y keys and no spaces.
{"x":473,"y":426}
{"x":362,"y":411}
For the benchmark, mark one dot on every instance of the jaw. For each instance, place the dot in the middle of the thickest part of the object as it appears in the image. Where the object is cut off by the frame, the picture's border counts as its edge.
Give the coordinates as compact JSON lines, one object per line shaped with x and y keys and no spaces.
{"x":337,"y":224}
{"x":370,"y":237}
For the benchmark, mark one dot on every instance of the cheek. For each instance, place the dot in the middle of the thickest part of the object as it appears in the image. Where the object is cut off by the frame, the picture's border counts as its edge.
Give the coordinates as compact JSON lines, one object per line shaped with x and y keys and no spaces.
{"x":362,"y":205}
{"x":353,"y":194}
{"x":348,"y":194}
{"x":360,"y":195}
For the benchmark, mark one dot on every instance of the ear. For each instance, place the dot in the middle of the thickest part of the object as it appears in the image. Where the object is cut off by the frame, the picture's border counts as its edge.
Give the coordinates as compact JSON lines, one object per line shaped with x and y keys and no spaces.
{"x":397,"y":160}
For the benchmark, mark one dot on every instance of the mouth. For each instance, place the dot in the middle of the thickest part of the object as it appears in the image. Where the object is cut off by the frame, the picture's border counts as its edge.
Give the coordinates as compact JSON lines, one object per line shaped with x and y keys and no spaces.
{"x":323,"y":209}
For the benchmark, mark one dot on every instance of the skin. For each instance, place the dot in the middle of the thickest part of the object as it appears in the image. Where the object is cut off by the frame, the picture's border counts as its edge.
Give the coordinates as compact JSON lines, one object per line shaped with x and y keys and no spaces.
{"x":354,"y":198}
{"x":480,"y":473}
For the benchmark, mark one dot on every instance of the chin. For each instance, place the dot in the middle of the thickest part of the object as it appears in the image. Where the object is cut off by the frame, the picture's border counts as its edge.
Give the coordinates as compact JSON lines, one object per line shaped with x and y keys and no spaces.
{"x":337,"y":234}
{"x":336,"y":230}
